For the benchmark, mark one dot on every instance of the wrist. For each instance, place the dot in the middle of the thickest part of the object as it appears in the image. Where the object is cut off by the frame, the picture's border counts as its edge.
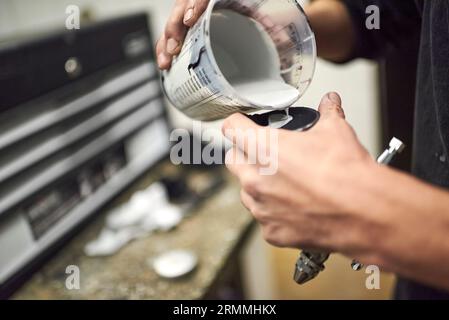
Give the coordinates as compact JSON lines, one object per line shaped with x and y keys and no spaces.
{"x":333,"y":28}
{"x":395,"y":217}
{"x":401,"y":225}
{"x":362,"y":198}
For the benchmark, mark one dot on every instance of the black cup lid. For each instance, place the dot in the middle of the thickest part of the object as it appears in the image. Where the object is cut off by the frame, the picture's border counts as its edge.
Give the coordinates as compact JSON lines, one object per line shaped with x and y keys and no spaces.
{"x":303,"y":118}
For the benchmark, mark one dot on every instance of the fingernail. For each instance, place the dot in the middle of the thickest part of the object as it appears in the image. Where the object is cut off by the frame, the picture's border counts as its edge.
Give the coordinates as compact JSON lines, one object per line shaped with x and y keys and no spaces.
{"x":334,"y":97}
{"x":188,"y":15}
{"x":172,"y":44}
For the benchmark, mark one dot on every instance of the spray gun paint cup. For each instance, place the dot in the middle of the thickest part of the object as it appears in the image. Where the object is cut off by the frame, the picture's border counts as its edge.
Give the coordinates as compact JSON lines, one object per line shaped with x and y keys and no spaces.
{"x":242,"y":56}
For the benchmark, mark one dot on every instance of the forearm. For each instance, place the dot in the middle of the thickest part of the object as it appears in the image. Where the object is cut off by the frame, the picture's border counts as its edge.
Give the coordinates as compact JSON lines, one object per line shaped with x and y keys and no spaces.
{"x":406,"y":225}
{"x":331,"y":22}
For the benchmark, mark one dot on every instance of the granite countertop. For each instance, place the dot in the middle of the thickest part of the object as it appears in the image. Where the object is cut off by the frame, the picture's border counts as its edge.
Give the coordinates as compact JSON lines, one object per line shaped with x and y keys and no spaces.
{"x":213,"y":232}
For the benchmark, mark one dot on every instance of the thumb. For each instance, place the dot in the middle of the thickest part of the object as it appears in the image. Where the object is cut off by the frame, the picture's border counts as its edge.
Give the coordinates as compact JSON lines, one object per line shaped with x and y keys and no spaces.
{"x":330,"y":106}
{"x":240,"y":130}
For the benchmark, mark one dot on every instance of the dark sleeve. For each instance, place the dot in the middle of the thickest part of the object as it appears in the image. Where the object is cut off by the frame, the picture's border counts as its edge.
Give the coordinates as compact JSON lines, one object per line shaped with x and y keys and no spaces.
{"x":399,"y":21}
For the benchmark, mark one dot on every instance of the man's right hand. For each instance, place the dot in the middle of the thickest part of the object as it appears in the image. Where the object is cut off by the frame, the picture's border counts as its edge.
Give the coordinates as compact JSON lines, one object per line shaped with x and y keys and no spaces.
{"x":184,"y":15}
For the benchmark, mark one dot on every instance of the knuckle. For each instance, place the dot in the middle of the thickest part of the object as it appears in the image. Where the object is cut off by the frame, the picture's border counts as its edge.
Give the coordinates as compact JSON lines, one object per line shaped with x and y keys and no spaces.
{"x":158,"y":46}
{"x":271,"y":237}
{"x":275,"y":242}
{"x":336,"y":109}
{"x":229,"y":123}
{"x":248,"y":204}
{"x":244,"y":199}
{"x":252,"y":189}
{"x":259,"y":214}
{"x":333,"y":107}
{"x":341,"y":112}
{"x":250,"y":185}
{"x":226,"y":124}
{"x":332,"y":122}
{"x":171,"y":30}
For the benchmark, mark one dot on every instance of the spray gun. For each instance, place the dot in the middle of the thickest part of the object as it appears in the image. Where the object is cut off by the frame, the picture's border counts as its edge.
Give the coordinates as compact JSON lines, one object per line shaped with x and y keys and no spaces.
{"x":311,"y":263}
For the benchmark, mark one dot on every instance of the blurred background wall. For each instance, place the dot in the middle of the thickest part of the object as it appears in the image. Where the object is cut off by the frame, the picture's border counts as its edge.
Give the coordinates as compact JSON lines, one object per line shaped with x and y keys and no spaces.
{"x":268,"y":271}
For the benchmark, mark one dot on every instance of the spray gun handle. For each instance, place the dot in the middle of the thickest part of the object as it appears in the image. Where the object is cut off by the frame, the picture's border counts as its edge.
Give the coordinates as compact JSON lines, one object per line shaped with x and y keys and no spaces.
{"x":311,"y":263}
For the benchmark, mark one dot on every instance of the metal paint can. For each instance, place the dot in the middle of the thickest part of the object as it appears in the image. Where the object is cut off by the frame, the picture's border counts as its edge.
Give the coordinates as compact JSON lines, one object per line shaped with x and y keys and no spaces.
{"x":233,"y":39}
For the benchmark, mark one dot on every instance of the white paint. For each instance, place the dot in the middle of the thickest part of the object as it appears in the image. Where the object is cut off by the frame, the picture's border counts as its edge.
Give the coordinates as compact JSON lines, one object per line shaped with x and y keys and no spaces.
{"x":277,"y":121}
{"x":275,"y":94}
{"x":249,"y":61}
{"x":174,"y":264}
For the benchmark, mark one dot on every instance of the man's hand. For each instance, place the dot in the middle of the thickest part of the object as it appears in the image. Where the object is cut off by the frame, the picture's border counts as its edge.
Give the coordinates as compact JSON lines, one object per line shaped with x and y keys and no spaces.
{"x":329,"y":194}
{"x":184,"y":15}
{"x":305,"y":204}
{"x":329,"y":19}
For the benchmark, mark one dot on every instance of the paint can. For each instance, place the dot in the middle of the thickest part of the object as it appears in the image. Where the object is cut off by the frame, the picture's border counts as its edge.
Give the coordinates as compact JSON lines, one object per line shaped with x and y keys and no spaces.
{"x":242,"y":56}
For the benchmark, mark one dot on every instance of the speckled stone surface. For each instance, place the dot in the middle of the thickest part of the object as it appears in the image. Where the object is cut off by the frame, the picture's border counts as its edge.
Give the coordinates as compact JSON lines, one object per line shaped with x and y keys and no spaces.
{"x":212,"y":232}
